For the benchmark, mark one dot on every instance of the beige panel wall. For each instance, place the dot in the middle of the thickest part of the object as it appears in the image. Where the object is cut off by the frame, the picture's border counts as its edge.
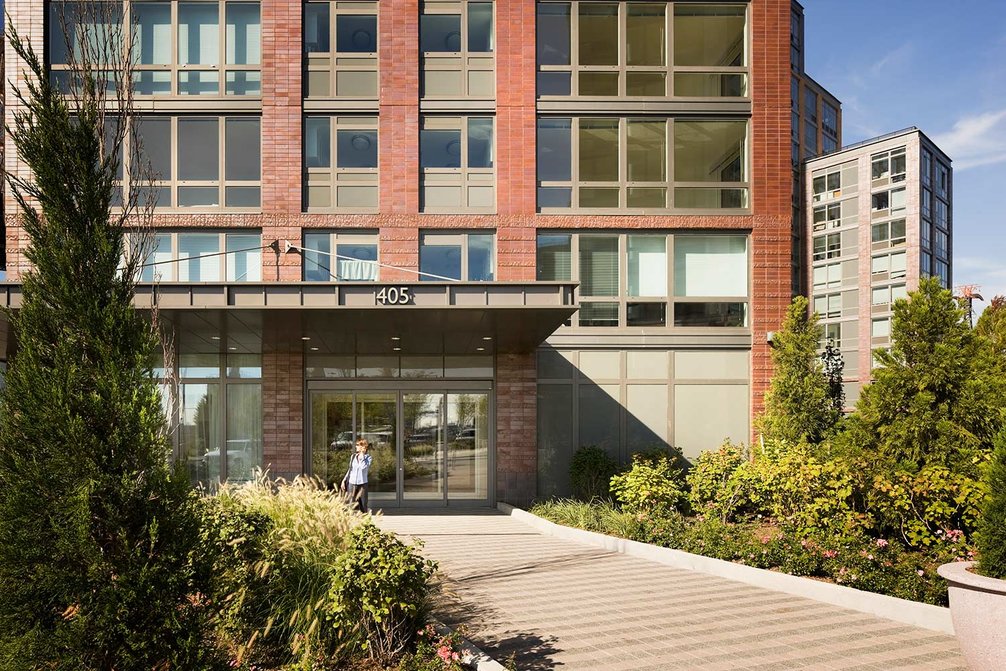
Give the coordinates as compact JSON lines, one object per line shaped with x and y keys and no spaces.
{"x":629,"y":400}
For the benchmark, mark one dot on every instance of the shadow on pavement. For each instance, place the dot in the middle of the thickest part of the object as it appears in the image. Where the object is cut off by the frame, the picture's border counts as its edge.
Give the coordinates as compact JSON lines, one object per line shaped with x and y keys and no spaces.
{"x":484,"y":626}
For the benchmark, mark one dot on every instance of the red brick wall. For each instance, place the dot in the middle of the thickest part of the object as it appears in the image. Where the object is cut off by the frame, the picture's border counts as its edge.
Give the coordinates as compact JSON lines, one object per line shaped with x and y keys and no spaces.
{"x":516,"y":428}
{"x":772,"y":183}
{"x":283,"y":415}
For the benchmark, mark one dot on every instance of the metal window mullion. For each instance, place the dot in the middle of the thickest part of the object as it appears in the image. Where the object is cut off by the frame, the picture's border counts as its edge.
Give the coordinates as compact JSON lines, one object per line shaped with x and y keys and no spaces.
{"x":574,"y":48}
{"x":574,"y":271}
{"x":574,"y":160}
{"x":623,"y":278}
{"x":221,"y":159}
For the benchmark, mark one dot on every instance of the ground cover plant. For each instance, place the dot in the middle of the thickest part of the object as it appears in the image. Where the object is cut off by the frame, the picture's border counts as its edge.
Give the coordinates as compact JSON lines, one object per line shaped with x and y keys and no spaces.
{"x":876,"y":500}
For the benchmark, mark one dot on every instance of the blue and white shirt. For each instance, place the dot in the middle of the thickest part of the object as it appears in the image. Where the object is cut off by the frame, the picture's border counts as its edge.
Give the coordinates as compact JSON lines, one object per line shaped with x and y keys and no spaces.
{"x":358,"y":469}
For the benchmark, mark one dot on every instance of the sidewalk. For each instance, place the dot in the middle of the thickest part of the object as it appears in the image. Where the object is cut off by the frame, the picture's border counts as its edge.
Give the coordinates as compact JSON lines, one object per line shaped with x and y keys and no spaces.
{"x":556,"y":604}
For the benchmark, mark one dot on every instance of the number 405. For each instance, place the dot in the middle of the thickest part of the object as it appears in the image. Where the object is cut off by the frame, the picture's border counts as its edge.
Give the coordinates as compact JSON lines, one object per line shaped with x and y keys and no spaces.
{"x":394,"y":296}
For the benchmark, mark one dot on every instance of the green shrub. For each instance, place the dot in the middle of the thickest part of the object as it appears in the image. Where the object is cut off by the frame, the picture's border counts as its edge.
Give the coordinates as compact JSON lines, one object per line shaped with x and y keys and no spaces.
{"x":380,"y":588}
{"x":992,"y":528}
{"x":590,"y":472}
{"x":921,"y":507}
{"x":301,"y":581}
{"x":725,"y":483}
{"x":652,"y":484}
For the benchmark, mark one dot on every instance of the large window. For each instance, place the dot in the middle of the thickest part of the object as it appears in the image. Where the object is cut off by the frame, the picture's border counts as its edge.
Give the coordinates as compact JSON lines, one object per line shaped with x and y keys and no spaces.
{"x":457,"y":256}
{"x":626,"y":279}
{"x":827,"y":184}
{"x":201,"y":256}
{"x":888,"y":234}
{"x":346,"y":256}
{"x":198,"y":48}
{"x":889,"y":165}
{"x":456,"y":156}
{"x":889,"y":202}
{"x":340,"y":48}
{"x":340,"y":163}
{"x":828,"y":246}
{"x":891,"y":266}
{"x":457,"y":41}
{"x":218,"y":411}
{"x":579,"y":54}
{"x":619,"y":163}
{"x":199,"y":162}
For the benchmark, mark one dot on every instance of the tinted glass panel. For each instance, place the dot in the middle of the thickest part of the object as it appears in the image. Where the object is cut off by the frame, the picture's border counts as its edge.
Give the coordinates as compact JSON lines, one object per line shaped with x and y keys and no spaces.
{"x":155,"y":137}
{"x":198,"y":33}
{"x":243,"y":151}
{"x":480,"y":143}
{"x":598,"y":150}
{"x":440,"y":148}
{"x":554,"y":150}
{"x":598,"y":34}
{"x":710,"y":314}
{"x":244,"y":33}
{"x":198,"y":149}
{"x":317,"y":266}
{"x":480,"y":26}
{"x":152,"y":33}
{"x":357,"y":148}
{"x":316,"y":27}
{"x":440,"y":32}
{"x":710,"y":35}
{"x":356,"y":263}
{"x":553,"y":34}
{"x":480,"y":258}
{"x":443,"y":261}
{"x":554,"y":258}
{"x":647,"y":151}
{"x":356,"y":34}
{"x":599,"y":265}
{"x":646,"y":29}
{"x":317,"y":142}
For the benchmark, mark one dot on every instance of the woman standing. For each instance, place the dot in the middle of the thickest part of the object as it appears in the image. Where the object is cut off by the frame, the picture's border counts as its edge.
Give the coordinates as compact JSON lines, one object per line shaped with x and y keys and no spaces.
{"x":355,"y":482}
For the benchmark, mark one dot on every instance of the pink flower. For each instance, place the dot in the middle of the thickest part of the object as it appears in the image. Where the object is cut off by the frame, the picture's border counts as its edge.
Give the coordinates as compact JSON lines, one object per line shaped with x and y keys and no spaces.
{"x":921,"y":572}
{"x":881,"y":543}
{"x":444,"y":653}
{"x":830,"y":554}
{"x":455,"y":656}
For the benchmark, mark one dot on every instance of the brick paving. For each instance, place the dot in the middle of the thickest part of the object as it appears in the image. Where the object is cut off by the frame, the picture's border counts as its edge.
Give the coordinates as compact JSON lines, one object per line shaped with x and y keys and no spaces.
{"x":556,"y":604}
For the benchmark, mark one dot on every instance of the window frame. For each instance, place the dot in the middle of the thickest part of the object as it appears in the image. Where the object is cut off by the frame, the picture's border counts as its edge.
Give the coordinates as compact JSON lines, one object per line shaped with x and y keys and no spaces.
{"x":623,"y":300}
{"x":335,"y":238}
{"x":319,"y":179}
{"x":465,"y":62}
{"x":464,"y":177}
{"x":623,"y":184}
{"x":324,"y":69}
{"x":461,"y":239}
{"x":222,"y":254}
{"x":173,"y":183}
{"x":623,"y":69}
{"x":59,"y":71}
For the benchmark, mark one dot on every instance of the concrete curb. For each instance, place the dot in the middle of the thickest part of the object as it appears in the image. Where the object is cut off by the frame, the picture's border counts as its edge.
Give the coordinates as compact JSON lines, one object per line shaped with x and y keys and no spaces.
{"x":471,"y":655}
{"x":916,"y":614}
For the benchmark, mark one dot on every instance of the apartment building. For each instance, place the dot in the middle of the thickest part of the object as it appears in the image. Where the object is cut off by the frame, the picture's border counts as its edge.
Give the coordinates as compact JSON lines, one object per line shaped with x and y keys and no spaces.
{"x":479,"y":234}
{"x":816,"y":129}
{"x":880,"y":217}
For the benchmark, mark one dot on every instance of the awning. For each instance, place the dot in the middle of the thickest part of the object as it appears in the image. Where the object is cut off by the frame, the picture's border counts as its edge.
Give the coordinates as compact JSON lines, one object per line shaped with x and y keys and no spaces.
{"x":360,"y":318}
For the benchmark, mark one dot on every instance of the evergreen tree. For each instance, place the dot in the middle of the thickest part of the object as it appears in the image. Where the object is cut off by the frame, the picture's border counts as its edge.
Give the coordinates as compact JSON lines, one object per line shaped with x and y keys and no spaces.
{"x":798,"y":403}
{"x":991,"y":535}
{"x":934,"y":398}
{"x":834,"y":366}
{"x":96,"y":531}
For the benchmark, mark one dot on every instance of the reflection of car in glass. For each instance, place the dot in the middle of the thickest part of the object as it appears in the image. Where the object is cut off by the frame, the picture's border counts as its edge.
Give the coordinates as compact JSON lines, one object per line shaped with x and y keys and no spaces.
{"x":466,"y":438}
{"x":344,"y":441}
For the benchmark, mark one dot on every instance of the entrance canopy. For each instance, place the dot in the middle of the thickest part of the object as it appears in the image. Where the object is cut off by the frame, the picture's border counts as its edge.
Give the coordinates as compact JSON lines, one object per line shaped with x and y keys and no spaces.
{"x":360,"y":318}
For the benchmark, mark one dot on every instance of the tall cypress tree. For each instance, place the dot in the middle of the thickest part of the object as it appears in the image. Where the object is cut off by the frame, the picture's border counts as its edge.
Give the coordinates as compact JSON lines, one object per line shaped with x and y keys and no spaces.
{"x":935,"y":398}
{"x":798,"y":403}
{"x":96,"y":531}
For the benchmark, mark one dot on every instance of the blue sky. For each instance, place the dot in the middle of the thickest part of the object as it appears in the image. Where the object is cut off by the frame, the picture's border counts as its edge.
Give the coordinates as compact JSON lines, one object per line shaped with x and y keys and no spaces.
{"x":940,"y":66}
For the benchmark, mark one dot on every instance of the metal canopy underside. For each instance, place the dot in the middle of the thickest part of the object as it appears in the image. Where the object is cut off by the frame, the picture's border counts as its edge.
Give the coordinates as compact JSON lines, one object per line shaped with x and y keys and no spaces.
{"x":348,"y":318}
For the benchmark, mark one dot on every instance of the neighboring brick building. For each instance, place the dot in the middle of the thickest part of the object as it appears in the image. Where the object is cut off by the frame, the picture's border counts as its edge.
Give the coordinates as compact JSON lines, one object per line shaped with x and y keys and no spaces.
{"x":374,"y":217}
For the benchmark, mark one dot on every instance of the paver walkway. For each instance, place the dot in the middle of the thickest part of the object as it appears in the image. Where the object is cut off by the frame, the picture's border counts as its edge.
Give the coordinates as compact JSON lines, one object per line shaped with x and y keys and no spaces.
{"x":557,"y":604}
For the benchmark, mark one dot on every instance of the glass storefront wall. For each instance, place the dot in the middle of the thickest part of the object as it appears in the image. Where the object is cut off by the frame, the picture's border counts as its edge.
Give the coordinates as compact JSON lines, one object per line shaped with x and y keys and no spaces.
{"x":430,"y":442}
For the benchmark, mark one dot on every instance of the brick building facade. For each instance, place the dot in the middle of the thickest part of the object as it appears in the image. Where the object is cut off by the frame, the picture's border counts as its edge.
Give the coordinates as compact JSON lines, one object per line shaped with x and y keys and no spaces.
{"x":263,"y":355}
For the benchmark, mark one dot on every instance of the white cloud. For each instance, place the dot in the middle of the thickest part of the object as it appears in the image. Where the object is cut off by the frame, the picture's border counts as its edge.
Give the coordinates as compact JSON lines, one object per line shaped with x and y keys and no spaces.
{"x":975,"y":140}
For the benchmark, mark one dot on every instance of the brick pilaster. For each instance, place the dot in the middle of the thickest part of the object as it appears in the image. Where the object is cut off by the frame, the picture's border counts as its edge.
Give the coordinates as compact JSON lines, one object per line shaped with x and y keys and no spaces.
{"x":516,"y":428}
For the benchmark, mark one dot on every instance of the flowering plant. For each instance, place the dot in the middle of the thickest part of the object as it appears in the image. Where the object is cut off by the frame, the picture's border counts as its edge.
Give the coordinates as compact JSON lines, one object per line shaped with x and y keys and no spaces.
{"x":435,"y":652}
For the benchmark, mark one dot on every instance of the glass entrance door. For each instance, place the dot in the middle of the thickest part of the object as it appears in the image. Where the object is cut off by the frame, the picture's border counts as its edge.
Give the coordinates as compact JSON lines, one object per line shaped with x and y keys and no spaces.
{"x":429,"y":446}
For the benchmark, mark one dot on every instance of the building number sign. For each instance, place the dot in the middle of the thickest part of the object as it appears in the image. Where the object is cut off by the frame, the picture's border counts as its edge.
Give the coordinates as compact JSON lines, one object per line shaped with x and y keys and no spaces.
{"x":394,"y":296}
